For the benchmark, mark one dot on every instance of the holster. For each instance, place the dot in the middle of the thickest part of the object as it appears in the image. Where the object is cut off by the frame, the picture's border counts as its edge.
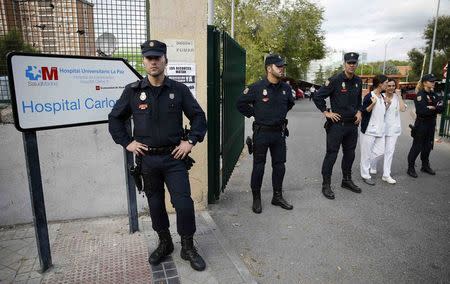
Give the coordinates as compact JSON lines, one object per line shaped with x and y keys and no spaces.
{"x":136,"y":173}
{"x":413,"y":130}
{"x":249,"y":142}
{"x":189,"y":162}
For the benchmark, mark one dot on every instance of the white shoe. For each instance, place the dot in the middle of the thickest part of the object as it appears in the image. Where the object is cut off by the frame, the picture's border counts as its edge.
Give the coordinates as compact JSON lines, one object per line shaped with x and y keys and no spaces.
{"x":373,"y":172}
{"x":389,"y":180}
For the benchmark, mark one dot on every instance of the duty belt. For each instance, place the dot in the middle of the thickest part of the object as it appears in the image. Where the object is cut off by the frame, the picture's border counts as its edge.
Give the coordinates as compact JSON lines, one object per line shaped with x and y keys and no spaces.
{"x":269,"y":128}
{"x":159,"y":150}
{"x":345,"y":120}
{"x":426,"y":118}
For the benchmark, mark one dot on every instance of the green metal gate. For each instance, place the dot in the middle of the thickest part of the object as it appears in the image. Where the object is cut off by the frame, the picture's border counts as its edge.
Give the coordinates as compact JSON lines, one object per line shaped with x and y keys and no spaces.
{"x":225,"y":124}
{"x":444,"y":129}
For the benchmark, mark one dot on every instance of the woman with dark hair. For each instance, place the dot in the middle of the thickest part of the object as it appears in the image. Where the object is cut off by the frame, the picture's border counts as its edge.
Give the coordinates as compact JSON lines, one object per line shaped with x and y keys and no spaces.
{"x":372,"y":127}
{"x":393,"y":129}
{"x":428,"y":105}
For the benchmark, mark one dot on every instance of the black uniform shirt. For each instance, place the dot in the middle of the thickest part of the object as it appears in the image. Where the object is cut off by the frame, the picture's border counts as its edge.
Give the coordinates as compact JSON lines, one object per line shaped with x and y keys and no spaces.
{"x":345,"y":95}
{"x":425,"y":99}
{"x":267,"y":102}
{"x":157,"y":114}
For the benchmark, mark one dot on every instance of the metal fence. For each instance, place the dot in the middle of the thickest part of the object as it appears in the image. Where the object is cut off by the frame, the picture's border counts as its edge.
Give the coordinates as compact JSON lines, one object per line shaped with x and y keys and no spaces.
{"x":72,"y":27}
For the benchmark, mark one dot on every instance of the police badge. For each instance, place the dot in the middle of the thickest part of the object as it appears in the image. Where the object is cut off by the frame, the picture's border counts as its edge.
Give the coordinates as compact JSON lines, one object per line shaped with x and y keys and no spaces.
{"x":245,"y":91}
{"x":143,"y":96}
{"x":171,"y":96}
{"x":343,"y":85}
{"x":419,"y":98}
{"x":264,"y":92}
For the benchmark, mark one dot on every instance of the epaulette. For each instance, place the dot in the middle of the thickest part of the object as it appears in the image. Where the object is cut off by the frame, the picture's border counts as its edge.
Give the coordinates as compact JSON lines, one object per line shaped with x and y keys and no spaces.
{"x":135,"y":85}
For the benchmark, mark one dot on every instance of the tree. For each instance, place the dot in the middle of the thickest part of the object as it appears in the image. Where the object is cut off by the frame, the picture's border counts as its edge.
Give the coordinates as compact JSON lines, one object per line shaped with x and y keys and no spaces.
{"x":12,"y":41}
{"x":269,"y":26}
{"x":442,"y":42}
{"x":442,"y":49}
{"x":319,"y":80}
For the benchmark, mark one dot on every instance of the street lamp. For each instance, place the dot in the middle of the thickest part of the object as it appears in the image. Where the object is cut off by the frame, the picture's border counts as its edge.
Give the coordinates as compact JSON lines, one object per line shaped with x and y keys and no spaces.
{"x":385,"y":49}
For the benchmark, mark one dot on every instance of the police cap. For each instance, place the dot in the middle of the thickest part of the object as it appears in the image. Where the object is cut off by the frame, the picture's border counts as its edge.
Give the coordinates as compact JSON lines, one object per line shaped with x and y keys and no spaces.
{"x":351,"y":57}
{"x":153,"y":48}
{"x":274,"y":59}
{"x":429,"y":78}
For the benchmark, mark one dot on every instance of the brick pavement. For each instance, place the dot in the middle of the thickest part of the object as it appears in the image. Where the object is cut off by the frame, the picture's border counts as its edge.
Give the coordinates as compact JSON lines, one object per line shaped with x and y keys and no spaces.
{"x":102,"y":251}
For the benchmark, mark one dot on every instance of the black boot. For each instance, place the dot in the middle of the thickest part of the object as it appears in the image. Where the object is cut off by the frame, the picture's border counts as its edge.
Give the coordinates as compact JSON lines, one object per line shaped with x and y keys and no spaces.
{"x":189,"y":252}
{"x":348,"y":184}
{"x":278,"y":200}
{"x":427,"y":169}
{"x":256,"y":207}
{"x":164,"y":248}
{"x":326,"y":188}
{"x":412,"y":171}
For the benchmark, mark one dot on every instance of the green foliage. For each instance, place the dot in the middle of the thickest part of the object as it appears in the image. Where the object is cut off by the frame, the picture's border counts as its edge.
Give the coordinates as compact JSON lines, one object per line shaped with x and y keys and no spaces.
{"x":320,"y":76}
{"x":291,"y":28}
{"x":133,"y":58}
{"x":12,"y":41}
{"x":442,"y":49}
{"x":442,"y":42}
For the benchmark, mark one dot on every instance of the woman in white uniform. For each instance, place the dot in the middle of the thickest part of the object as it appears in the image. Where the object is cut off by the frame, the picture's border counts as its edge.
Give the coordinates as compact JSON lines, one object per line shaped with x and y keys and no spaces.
{"x":372,"y":127}
{"x":393,"y":128}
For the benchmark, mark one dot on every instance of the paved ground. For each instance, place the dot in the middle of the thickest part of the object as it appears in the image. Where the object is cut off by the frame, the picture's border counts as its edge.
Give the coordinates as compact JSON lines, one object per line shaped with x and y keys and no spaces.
{"x":387,"y":234}
{"x":102,"y":251}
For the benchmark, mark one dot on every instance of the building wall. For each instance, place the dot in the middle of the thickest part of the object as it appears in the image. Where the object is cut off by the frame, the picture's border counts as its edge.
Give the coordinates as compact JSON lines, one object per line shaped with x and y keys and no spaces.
{"x":82,"y":175}
{"x":179,"y":19}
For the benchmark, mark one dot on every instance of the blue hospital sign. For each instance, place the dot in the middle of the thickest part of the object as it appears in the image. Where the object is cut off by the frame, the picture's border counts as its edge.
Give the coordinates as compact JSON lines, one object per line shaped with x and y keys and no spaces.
{"x":50,"y":91}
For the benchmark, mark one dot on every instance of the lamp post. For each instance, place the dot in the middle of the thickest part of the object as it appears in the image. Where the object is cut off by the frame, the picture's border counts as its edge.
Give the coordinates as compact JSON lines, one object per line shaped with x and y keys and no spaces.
{"x":385,"y":49}
{"x":434,"y":38}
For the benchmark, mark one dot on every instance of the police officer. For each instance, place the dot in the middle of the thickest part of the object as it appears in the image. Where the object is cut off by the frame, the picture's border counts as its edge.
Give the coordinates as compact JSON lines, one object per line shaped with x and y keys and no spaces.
{"x":428,"y":105}
{"x":157,"y":104}
{"x":268,"y":100}
{"x":345,"y":91}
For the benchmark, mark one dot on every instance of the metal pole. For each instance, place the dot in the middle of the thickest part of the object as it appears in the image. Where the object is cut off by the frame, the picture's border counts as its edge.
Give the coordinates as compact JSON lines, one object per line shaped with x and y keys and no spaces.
{"x":434,"y":38}
{"x":37,"y":199}
{"x":210,"y":12}
{"x":423,"y":65}
{"x":147,"y":18}
{"x":232,"y":19}
{"x":384,"y":62}
{"x":133,"y":222}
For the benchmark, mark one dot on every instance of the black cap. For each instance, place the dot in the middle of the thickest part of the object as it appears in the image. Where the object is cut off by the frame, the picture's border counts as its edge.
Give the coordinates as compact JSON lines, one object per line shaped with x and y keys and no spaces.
{"x":351,"y":57}
{"x":274,"y":59}
{"x":429,"y":78}
{"x":153,"y":48}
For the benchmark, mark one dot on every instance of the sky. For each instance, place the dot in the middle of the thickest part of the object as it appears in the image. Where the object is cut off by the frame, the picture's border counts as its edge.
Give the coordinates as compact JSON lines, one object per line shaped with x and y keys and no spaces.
{"x":366,"y":26}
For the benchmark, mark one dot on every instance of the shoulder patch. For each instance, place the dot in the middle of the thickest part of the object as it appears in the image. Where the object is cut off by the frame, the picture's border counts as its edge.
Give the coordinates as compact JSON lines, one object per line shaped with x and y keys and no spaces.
{"x":327,"y":82}
{"x":245,"y":91}
{"x":419,"y":98}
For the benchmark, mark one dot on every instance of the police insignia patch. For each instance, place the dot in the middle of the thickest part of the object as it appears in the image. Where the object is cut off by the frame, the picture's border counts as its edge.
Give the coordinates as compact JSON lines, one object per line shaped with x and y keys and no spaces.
{"x":171,"y":96}
{"x":264,"y":92}
{"x":419,"y":98}
{"x":327,"y":83}
{"x":245,"y":91}
{"x":284,"y":92}
{"x":143,"y":96}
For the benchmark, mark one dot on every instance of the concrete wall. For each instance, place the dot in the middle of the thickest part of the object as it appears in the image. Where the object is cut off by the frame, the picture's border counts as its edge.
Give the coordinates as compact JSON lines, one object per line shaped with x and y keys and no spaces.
{"x":82,"y":175}
{"x":180,"y":19}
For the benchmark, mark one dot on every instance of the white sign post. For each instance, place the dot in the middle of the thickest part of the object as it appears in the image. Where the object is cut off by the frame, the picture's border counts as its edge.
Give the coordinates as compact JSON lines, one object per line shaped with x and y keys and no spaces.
{"x":52,"y":91}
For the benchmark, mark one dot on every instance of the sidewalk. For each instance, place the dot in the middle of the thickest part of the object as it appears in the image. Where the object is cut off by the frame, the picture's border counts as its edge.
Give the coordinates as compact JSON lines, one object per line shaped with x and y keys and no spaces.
{"x":102,"y":251}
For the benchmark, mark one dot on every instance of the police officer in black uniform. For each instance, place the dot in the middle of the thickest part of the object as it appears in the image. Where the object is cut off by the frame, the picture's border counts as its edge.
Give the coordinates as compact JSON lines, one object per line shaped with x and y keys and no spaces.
{"x":157,"y":104}
{"x":345,"y":91}
{"x":428,"y":105}
{"x":268,"y":100}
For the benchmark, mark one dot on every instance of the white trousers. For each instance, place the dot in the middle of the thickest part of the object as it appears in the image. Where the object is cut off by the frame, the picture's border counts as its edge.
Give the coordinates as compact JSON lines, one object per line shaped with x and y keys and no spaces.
{"x":389,"y":148}
{"x":372,"y":149}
